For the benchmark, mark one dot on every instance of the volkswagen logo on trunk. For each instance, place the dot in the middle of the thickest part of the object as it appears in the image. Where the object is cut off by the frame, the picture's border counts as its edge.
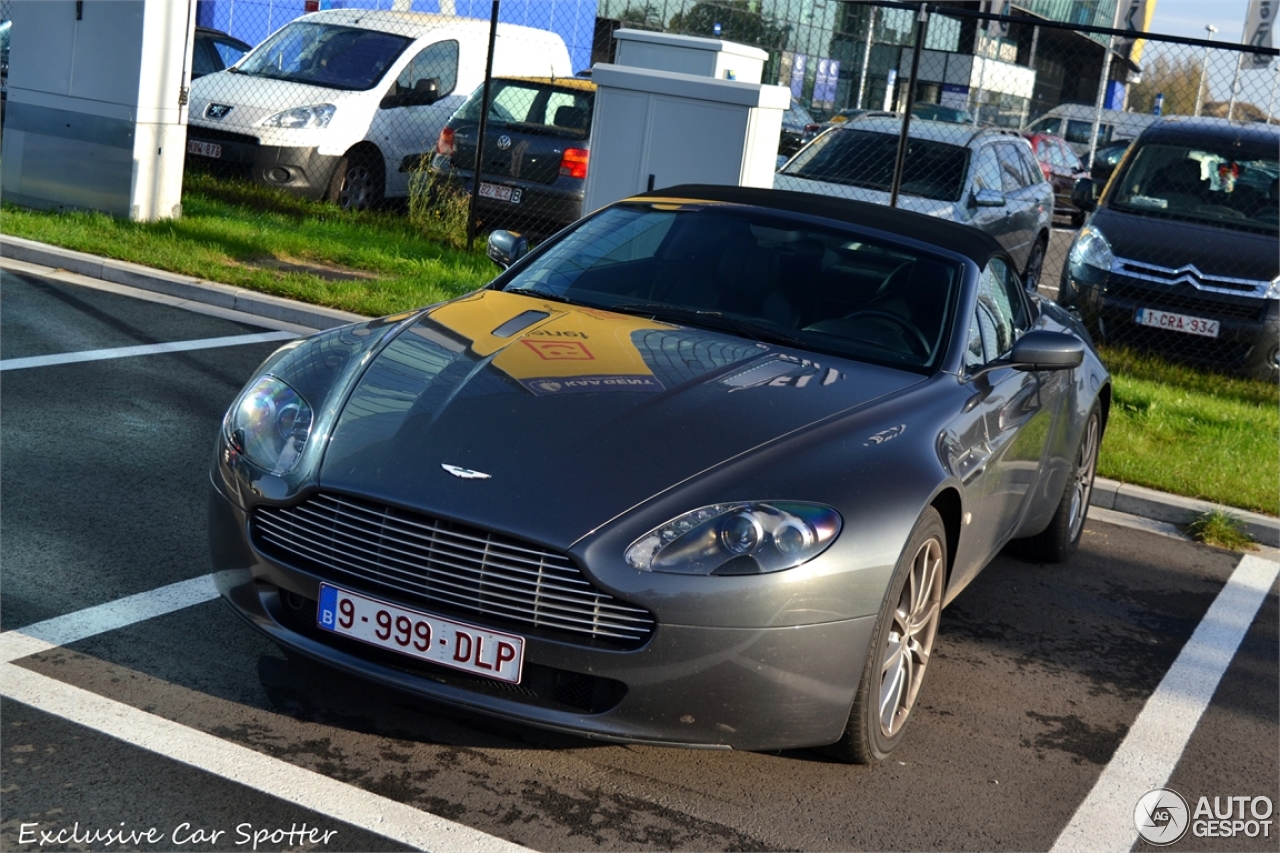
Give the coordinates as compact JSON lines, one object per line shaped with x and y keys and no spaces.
{"x":504,"y":142}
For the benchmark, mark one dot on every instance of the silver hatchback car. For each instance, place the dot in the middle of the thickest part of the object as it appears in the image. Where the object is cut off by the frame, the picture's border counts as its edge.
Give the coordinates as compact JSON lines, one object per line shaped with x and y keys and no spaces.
{"x":983,"y":177}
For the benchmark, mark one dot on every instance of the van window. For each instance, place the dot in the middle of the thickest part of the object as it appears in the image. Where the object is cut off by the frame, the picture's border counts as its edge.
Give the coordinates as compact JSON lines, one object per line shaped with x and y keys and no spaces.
{"x":337,"y":57}
{"x":437,"y":62}
{"x":1078,"y":132}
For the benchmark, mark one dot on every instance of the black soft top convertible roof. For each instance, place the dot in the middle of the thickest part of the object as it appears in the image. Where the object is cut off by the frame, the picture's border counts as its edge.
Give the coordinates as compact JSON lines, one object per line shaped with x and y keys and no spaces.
{"x":963,"y":240}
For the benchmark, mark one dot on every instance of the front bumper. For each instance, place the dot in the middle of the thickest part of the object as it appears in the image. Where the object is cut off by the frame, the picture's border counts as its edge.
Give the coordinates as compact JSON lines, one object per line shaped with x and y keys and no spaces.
{"x":1248,"y":328}
{"x":302,"y":171}
{"x":740,"y":688}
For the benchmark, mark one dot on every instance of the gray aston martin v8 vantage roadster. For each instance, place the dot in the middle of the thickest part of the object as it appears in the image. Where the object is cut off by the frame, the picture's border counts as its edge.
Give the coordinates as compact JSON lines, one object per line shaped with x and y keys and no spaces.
{"x":700,"y":470}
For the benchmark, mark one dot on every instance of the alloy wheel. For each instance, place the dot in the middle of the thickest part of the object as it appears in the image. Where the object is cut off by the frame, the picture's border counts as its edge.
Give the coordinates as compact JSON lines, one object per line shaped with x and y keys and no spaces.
{"x":911,"y":636}
{"x":1082,"y":480}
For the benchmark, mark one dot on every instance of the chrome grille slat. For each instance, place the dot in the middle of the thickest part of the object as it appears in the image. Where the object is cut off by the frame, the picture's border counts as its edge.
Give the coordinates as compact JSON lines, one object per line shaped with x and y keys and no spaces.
{"x":536,"y":558}
{"x":548,"y":604}
{"x":435,"y":561}
{"x":406,"y":557}
{"x":1190,"y":275}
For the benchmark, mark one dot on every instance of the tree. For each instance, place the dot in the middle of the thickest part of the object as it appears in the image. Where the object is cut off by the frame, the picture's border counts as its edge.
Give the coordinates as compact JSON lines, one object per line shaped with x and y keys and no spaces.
{"x":738,"y":22}
{"x":646,"y":17}
{"x":1179,"y":80}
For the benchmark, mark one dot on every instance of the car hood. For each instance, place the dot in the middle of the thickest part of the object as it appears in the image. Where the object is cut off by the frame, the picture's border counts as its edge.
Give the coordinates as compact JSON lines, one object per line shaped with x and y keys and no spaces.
{"x":906,"y":201}
{"x":556,"y":419}
{"x":1216,"y":251}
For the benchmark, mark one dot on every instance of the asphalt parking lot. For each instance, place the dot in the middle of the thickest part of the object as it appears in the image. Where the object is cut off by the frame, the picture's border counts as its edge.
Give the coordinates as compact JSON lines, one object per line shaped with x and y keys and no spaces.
{"x":138,"y":713}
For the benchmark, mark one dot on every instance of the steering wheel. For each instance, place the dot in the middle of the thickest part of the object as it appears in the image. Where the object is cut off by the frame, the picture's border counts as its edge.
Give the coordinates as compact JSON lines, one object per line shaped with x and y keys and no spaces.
{"x":914,"y":336}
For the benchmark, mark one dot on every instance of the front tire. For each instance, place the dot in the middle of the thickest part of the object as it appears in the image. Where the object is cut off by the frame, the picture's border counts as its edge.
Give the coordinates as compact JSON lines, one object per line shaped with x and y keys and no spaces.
{"x":1060,"y":539}
{"x":357,"y":182}
{"x":900,"y":648}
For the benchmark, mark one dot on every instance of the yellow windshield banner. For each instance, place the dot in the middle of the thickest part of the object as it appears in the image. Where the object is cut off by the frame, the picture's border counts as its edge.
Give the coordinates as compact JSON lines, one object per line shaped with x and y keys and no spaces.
{"x":566,"y":350}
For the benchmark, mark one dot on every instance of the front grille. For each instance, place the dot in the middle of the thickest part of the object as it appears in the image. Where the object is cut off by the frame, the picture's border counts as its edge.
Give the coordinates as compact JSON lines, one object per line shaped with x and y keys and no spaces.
{"x":1185,"y":300}
{"x":209,"y":133}
{"x":1192,"y":276}
{"x":447,"y":568}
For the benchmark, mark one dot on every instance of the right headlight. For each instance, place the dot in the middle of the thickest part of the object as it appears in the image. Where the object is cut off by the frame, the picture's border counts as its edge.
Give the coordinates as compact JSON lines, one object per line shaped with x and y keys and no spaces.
{"x":302,"y":117}
{"x":1090,"y":258}
{"x":737,"y":539}
{"x":269,"y":425}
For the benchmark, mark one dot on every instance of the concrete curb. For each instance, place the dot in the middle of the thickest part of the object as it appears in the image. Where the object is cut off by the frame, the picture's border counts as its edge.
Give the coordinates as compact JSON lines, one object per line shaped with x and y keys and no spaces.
{"x":1107,"y":494}
{"x":172,"y":284}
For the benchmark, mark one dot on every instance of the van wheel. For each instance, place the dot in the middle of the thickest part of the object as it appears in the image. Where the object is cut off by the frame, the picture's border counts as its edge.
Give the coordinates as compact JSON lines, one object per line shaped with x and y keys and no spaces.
{"x":357,"y":183}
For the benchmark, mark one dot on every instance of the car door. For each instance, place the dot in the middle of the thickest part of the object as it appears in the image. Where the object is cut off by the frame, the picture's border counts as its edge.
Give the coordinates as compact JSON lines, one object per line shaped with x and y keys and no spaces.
{"x":1024,"y":197}
{"x":995,"y":220}
{"x":1008,"y":420}
{"x":403,"y":125}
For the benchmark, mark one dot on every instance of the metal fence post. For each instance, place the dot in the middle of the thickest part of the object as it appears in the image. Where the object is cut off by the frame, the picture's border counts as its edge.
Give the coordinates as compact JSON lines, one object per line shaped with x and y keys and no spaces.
{"x":922,"y":25}
{"x":484,"y":120}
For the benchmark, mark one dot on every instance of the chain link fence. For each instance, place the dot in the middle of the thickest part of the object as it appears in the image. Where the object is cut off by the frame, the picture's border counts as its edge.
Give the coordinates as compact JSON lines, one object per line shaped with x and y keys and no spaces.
{"x":947,"y":109}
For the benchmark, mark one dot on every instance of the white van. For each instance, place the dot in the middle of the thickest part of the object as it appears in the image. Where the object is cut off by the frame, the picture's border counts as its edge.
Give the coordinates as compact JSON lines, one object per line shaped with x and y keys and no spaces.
{"x":1074,"y":121}
{"x":332,"y":105}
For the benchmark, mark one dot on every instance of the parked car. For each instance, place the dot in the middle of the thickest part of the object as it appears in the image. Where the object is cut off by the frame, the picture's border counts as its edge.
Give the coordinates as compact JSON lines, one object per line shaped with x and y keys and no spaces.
{"x":1074,"y":122}
{"x":1182,"y":254}
{"x":937,"y":112}
{"x":1062,"y":168}
{"x":702,"y":469}
{"x":331,"y":104}
{"x":215,"y":50}
{"x":798,"y":127}
{"x":854,"y":113}
{"x":536,"y":150}
{"x":6,"y":28}
{"x":988,"y":179}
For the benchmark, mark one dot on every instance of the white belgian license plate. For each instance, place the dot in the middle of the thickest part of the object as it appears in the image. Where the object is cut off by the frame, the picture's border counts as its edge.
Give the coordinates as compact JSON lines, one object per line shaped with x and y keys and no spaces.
{"x":1176,"y":322}
{"x":500,"y":192}
{"x":420,"y":635}
{"x":204,"y":149}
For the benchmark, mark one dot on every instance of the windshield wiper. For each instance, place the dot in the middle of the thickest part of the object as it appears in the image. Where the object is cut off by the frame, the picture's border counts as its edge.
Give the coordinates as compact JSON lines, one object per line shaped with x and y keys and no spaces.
{"x":713,"y":319}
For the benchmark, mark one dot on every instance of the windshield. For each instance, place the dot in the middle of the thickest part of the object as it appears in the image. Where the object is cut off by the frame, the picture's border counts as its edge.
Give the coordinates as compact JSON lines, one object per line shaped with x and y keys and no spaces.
{"x":754,"y":274}
{"x":862,"y":158}
{"x":566,"y":110}
{"x":326,"y":55}
{"x":1225,"y":185}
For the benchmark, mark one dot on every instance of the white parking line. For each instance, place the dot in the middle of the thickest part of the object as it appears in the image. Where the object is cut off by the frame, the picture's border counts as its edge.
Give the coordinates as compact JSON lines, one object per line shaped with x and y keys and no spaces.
{"x":271,"y":776}
{"x":1149,"y":753}
{"x":145,"y":349}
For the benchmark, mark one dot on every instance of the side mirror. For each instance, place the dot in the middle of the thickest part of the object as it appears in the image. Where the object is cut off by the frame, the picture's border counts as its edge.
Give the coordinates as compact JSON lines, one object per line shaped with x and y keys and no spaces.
{"x":506,"y":247}
{"x":989,"y":198}
{"x":1082,"y":195}
{"x":1040,"y":349}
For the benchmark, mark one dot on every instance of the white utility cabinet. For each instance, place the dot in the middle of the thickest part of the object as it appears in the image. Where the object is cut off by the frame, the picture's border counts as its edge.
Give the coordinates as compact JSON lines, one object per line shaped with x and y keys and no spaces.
{"x":96,"y":111}
{"x":653,"y":129}
{"x":724,"y":60}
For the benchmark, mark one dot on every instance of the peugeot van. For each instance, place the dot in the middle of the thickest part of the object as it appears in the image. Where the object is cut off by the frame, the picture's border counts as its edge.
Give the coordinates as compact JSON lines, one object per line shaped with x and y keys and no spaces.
{"x":331,"y":104}
{"x":1182,"y":254}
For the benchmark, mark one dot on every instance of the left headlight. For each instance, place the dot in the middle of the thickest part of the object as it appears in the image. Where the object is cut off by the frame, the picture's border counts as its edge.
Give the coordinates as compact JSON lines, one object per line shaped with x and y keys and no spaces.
{"x":737,"y":539}
{"x":269,"y":425}
{"x":302,"y":117}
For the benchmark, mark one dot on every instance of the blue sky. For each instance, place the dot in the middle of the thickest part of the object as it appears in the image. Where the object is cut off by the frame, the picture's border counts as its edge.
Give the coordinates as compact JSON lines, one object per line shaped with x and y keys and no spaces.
{"x":1188,"y":18}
